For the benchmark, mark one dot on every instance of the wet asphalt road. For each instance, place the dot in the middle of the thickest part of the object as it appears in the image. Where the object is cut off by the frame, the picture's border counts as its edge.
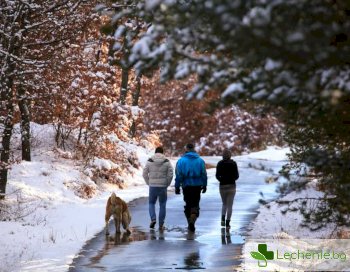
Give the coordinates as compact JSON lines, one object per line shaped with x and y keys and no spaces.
{"x":211,"y":247}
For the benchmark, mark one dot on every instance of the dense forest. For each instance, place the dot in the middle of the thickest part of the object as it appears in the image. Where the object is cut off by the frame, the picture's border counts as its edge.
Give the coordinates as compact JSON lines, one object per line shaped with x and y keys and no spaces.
{"x":61,"y":67}
{"x":246,"y":75}
{"x":292,"y":55}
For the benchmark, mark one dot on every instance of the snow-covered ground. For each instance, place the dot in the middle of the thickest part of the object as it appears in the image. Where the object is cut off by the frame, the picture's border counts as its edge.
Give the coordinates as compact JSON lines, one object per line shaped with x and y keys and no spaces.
{"x":49,"y":223}
{"x":273,"y":223}
{"x":47,"y":220}
{"x":58,"y":222}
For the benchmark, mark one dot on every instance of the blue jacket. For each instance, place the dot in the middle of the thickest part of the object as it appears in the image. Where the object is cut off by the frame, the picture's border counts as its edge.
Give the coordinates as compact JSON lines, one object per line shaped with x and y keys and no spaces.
{"x":190,"y":171}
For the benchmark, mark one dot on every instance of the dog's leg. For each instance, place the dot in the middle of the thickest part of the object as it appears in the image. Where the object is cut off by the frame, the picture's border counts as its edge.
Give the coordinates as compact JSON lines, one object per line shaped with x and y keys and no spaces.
{"x":125,"y":237}
{"x":117,"y":239}
{"x":107,"y":231}
{"x":126,"y":221}
{"x":117,"y":222}
{"x":107,"y":216}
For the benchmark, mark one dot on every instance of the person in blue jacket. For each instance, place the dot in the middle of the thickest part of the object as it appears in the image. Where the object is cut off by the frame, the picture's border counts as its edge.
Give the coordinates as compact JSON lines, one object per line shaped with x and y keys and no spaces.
{"x":191,"y":175}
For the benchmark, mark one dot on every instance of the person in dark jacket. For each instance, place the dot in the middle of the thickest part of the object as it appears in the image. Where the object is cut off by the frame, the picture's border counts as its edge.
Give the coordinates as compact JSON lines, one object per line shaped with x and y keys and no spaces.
{"x":191,"y":175}
{"x":227,"y":174}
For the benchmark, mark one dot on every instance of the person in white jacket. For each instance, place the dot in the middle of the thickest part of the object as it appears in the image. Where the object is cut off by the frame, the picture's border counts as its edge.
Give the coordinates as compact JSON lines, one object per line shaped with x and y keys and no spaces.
{"x":158,"y":174}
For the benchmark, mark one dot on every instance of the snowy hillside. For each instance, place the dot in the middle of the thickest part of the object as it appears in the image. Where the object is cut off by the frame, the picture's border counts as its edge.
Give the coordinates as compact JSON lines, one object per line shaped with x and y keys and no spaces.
{"x":53,"y":207}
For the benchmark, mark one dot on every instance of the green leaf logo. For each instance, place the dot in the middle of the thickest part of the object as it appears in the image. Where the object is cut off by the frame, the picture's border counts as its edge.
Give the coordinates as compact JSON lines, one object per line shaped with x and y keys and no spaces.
{"x":260,"y":257}
{"x":257,"y":256}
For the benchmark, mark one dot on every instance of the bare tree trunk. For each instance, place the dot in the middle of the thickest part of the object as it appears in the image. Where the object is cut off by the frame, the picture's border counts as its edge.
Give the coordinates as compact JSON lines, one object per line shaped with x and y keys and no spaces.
{"x":132,"y":131}
{"x":136,"y":96}
{"x":124,"y":64}
{"x":124,"y":85}
{"x":80,"y":134}
{"x":12,"y":43}
{"x":25,"y":124}
{"x":135,"y":102}
{"x":58,"y":134}
{"x":6,"y":138}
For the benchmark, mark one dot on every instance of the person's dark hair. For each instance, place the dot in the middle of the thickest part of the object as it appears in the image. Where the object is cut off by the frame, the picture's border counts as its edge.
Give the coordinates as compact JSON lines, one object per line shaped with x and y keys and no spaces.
{"x":190,"y":147}
{"x":226,"y":154}
{"x":159,"y":149}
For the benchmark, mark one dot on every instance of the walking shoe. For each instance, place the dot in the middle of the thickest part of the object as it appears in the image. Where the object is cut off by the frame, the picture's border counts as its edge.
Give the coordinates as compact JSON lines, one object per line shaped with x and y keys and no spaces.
{"x":153,"y":223}
{"x":161,"y":227}
{"x":228,"y":224}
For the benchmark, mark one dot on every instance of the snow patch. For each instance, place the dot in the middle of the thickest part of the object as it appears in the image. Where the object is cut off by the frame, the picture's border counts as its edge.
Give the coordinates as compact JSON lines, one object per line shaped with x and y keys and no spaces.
{"x":233,"y":88}
{"x":273,"y":223}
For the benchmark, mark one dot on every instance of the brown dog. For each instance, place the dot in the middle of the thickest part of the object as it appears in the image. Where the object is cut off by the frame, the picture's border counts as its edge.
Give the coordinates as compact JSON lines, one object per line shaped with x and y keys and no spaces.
{"x":119,"y":209}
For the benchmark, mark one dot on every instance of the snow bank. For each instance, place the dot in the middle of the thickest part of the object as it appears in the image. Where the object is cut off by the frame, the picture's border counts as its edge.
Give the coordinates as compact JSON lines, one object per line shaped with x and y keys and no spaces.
{"x":272,"y":153}
{"x":272,"y":222}
{"x":59,"y":221}
{"x":53,"y":208}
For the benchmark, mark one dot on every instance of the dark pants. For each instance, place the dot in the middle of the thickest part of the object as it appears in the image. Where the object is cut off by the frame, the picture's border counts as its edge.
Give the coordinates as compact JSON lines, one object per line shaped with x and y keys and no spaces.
{"x":192,"y":196}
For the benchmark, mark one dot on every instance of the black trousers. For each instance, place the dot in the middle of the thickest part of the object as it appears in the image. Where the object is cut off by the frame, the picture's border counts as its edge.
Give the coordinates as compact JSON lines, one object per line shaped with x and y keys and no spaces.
{"x":192,"y":196}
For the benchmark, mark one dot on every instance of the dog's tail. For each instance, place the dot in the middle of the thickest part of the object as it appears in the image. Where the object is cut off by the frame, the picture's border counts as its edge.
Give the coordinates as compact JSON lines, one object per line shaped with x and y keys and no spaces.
{"x":113,"y":199}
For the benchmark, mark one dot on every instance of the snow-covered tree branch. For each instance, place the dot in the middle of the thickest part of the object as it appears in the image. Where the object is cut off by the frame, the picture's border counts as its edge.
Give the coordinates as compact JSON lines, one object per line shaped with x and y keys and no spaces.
{"x":291,"y":54}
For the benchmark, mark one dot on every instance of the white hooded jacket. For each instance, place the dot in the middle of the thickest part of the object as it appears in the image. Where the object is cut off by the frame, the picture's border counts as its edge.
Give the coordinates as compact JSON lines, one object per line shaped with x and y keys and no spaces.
{"x":158,"y":171}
